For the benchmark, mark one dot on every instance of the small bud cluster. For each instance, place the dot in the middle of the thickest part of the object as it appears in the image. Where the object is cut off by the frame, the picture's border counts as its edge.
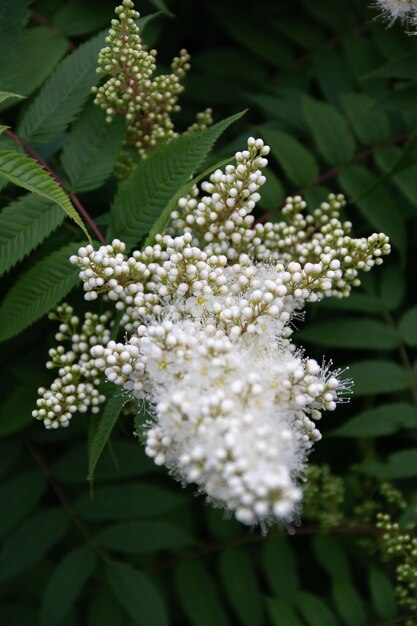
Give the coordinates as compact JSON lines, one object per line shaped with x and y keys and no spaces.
{"x":207,"y":311}
{"x":323,"y":497}
{"x":131,"y":90}
{"x":76,"y":387}
{"x":400,"y":544}
{"x":403,"y":10}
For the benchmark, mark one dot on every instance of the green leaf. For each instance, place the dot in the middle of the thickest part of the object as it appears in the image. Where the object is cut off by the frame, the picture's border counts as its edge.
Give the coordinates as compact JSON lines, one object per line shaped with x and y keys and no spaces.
{"x":280,"y":566}
{"x":331,"y":555}
{"x":399,"y":465}
{"x":134,"y":501}
{"x":371,"y":127}
{"x":281,"y":614}
{"x":137,"y":594}
{"x":63,"y":95}
{"x":18,"y":497}
{"x":349,"y":604}
{"x":329,"y":130}
{"x":392,"y":286}
{"x":92,"y":148}
{"x":37,"y":291}
{"x":31,"y":541}
{"x":403,"y":66}
{"x":386,"y":419}
{"x":13,"y":16}
{"x":104,"y":610}
{"x":348,"y":332}
{"x":141,"y":199}
{"x":314,"y":610}
{"x":106,"y":424}
{"x":76,"y":17}
{"x":358,"y":302}
{"x":241,"y":586}
{"x":30,"y":175}
{"x":374,"y":202}
{"x":24,"y":224}
{"x":5,"y":95}
{"x":143,"y":537}
{"x":374,"y":376}
{"x":272,"y":192}
{"x":382,"y":594}
{"x":408,"y":326}
{"x":298,"y":163}
{"x":65,"y":585}
{"x":198,"y":595}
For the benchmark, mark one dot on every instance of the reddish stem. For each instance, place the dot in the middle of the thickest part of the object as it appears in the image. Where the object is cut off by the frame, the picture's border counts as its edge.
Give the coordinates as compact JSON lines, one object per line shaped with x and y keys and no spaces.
{"x":40,"y":19}
{"x":81,"y":209}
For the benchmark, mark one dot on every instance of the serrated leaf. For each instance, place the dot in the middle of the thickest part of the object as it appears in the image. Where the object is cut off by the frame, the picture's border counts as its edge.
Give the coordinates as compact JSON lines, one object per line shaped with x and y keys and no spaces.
{"x":30,"y":175}
{"x":241,"y":586}
{"x":106,"y":424}
{"x":18,"y":497}
{"x":91,"y":150}
{"x":374,"y":201}
{"x":348,"y":332}
{"x":141,"y":199}
{"x":298,"y":163}
{"x":5,"y":95}
{"x":377,"y":376}
{"x":408,"y":326}
{"x":280,"y":567}
{"x":349,"y":604}
{"x":143,"y":537}
{"x":134,"y":502}
{"x":329,"y":130}
{"x":314,"y":610}
{"x":382,"y":594}
{"x":31,"y":541}
{"x":37,"y":291}
{"x":398,"y":465}
{"x":24,"y":224}
{"x":63,"y":95}
{"x":137,"y":594}
{"x":383,"y":420}
{"x":65,"y":584}
{"x":199,"y":595}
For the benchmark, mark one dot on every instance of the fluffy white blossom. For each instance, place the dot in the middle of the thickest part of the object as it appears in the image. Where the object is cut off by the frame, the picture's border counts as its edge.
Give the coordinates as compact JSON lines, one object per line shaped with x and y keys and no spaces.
{"x":207,"y":312}
{"x":403,"y":10}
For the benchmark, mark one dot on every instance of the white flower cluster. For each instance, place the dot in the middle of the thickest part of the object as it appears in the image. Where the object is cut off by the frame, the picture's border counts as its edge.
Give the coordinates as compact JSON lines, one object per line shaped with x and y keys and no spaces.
{"x":76,"y":387}
{"x":207,"y":310}
{"x":403,"y":10}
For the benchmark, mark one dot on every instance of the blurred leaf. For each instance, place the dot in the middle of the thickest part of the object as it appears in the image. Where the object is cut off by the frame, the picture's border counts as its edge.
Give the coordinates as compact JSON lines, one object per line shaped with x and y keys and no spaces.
{"x":383,"y":420}
{"x":93,"y":146}
{"x":76,"y":17}
{"x":297,"y":162}
{"x":198,"y":595}
{"x":383,"y":594}
{"x":403,"y":66}
{"x":272,"y":193}
{"x":392,"y":286}
{"x":30,"y":175}
{"x":18,"y":497}
{"x":13,"y":16}
{"x":331,"y":554}
{"x":65,"y":585}
{"x":371,"y":127}
{"x":369,"y":194}
{"x":37,"y":291}
{"x":104,"y":610}
{"x":329,"y":130}
{"x":281,"y":614}
{"x":358,"y":302}
{"x":63,"y":95}
{"x":241,"y":586}
{"x":137,"y":594}
{"x":314,"y":610}
{"x":372,"y":377}
{"x":111,"y":413}
{"x":408,"y":326}
{"x":280,"y":567}
{"x":399,"y":465}
{"x":141,"y":199}
{"x":348,"y":332}
{"x":26,"y":545}
{"x":24,"y":224}
{"x":143,"y":537}
{"x":349,"y":604}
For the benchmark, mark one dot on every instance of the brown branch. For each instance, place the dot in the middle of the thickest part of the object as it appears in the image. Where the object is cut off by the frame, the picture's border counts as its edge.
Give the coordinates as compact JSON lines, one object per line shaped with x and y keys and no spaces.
{"x":360,"y":156}
{"x":397,"y":620}
{"x":40,"y":19}
{"x":366,"y":529}
{"x":59,"y":492}
{"x":81,"y":209}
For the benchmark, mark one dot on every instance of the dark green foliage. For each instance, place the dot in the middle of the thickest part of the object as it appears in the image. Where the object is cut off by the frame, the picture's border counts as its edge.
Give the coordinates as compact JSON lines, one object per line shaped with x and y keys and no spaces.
{"x":334,"y":94}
